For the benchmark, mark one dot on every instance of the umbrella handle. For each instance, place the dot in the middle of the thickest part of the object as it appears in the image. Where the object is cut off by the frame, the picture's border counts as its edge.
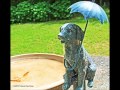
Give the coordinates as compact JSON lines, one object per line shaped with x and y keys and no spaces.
{"x":85,"y":27}
{"x":84,"y":31}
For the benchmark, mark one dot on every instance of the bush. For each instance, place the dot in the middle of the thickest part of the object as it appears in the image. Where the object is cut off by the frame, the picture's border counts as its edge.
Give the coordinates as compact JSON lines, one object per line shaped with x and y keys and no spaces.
{"x":39,"y":12}
{"x":21,"y":13}
{"x":15,"y":2}
{"x":60,"y":10}
{"x":13,"y":14}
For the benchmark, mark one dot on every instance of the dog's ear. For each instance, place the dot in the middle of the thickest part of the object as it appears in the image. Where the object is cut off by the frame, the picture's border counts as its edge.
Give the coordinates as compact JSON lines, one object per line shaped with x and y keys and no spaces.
{"x":79,"y":33}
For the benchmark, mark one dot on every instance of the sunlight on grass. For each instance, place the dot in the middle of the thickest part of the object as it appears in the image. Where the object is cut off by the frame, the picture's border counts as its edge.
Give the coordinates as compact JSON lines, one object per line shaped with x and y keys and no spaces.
{"x":42,"y":37}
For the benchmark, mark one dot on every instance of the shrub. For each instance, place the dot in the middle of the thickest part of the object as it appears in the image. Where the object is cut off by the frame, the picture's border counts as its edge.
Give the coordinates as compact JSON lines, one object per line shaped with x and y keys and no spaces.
{"x":60,"y":10}
{"x":13,"y":14}
{"x":40,"y":11}
{"x":21,"y":13}
{"x":15,"y":2}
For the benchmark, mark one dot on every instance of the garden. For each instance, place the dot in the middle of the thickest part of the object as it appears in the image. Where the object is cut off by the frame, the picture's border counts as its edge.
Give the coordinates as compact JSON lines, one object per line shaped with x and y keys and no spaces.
{"x":34,"y":29}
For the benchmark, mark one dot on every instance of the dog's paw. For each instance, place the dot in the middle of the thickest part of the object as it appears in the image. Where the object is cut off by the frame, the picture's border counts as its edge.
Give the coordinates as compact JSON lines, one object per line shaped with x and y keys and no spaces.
{"x":65,"y":86}
{"x":90,"y":83}
{"x":79,"y":88}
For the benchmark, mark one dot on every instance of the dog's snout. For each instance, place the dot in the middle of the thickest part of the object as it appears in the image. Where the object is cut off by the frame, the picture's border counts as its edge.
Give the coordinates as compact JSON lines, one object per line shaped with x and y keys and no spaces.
{"x":60,"y":36}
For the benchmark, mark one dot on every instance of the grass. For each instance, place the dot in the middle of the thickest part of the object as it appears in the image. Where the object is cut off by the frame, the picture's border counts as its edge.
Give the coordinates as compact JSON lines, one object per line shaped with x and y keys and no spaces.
{"x":42,"y":37}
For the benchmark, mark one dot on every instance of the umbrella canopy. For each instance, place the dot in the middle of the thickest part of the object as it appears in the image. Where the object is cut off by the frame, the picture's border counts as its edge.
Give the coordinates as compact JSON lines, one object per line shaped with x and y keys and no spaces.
{"x":89,"y":10}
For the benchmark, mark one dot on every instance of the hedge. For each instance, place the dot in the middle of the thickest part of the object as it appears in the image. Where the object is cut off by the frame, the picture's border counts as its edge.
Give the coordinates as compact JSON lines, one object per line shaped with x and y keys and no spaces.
{"x":42,"y":11}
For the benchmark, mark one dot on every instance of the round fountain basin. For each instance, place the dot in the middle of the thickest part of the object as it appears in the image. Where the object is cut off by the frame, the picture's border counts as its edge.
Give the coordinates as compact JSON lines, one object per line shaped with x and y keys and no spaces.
{"x":38,"y":71}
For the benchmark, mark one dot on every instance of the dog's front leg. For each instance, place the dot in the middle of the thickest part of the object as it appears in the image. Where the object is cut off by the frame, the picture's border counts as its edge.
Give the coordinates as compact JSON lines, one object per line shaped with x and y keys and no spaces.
{"x":67,"y":79}
{"x":81,"y":75}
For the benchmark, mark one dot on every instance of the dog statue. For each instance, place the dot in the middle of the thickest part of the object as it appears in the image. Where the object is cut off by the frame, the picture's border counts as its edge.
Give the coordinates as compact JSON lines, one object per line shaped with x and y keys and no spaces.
{"x":78,"y":63}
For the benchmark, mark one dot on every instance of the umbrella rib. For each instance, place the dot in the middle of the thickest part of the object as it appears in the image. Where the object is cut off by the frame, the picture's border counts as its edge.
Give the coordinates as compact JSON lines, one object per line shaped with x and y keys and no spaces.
{"x":90,"y":9}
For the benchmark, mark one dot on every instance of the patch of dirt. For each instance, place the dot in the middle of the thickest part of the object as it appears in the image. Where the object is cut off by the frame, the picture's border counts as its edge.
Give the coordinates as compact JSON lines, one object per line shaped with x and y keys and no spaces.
{"x":101,"y":80}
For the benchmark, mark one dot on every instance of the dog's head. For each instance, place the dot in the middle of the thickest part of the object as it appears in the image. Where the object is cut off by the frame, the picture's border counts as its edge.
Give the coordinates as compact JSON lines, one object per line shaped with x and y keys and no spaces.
{"x":70,"y":32}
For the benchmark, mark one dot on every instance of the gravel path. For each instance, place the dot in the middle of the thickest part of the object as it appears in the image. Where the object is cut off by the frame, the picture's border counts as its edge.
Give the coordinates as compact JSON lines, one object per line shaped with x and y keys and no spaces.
{"x":101,"y":80}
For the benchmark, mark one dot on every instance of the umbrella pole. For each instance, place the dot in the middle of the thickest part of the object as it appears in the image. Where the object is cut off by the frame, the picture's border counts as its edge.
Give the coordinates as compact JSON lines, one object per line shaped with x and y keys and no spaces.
{"x":84,"y":31}
{"x":85,"y":27}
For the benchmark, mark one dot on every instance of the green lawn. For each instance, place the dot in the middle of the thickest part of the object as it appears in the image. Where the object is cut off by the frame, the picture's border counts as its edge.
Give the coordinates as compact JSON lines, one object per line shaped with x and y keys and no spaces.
{"x":42,"y":37}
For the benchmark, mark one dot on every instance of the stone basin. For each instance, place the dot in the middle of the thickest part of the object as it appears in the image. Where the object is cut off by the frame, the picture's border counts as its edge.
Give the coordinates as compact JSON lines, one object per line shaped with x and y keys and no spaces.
{"x":37,"y":71}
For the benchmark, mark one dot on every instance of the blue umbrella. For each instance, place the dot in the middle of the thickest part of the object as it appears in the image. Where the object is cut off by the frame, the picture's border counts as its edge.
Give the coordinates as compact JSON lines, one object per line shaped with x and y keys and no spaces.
{"x":89,"y":10}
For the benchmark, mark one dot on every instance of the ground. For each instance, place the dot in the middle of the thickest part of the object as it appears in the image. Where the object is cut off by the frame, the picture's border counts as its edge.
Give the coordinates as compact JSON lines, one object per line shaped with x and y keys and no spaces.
{"x":101,"y":80}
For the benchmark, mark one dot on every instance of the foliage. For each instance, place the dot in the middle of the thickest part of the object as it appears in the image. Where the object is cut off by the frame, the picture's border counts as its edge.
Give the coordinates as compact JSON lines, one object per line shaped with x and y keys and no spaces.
{"x":21,"y":13}
{"x":42,"y":11}
{"x":60,"y":10}
{"x":15,"y":2}
{"x":13,"y":14}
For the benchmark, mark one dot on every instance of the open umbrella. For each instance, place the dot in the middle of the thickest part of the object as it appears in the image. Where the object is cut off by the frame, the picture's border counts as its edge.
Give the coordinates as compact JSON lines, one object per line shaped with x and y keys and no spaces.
{"x":89,"y":10}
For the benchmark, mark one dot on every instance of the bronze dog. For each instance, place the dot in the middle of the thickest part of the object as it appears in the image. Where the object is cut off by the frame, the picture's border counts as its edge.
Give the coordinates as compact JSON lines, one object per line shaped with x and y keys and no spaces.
{"x":78,"y":63}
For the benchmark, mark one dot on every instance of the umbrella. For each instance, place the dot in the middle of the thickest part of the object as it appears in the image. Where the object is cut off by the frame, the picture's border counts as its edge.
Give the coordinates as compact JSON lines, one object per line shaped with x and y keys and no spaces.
{"x":89,"y":10}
